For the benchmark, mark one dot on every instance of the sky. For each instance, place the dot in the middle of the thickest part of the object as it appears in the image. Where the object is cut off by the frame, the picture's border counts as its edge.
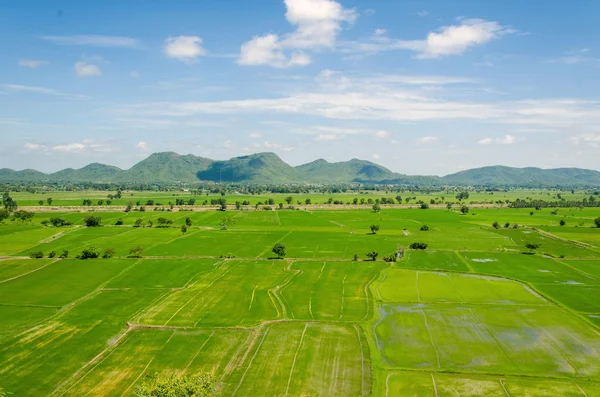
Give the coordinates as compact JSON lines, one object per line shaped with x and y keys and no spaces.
{"x":420,"y":87}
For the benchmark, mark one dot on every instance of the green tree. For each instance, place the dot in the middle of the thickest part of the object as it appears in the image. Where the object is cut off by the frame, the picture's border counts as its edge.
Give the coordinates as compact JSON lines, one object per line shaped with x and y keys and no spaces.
{"x":424,"y":206}
{"x":562,"y":222}
{"x":376,"y":207}
{"x":372,"y":255}
{"x":92,"y":221}
{"x":222,"y":203}
{"x":289,"y":199}
{"x":108,"y":253}
{"x":464,"y":210}
{"x":374,"y":228}
{"x":279,"y":250}
{"x":139,"y":222}
{"x":496,"y":225}
{"x":89,"y":253}
{"x":4,"y":215}
{"x":136,"y":251}
{"x":183,"y":229}
{"x":49,"y":200}
{"x":307,"y":201}
{"x":41,"y":202}
{"x":418,"y":246}
{"x":22,"y":216}
{"x":36,"y":255}
{"x":597,"y":221}
{"x":178,"y":386}
{"x":532,"y":247}
{"x":424,"y":228}
{"x":188,"y":221}
{"x":64,"y":255}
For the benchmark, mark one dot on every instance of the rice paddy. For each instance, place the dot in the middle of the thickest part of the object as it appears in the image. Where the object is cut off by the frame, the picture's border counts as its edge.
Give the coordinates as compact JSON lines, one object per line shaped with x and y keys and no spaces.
{"x":475,"y":314}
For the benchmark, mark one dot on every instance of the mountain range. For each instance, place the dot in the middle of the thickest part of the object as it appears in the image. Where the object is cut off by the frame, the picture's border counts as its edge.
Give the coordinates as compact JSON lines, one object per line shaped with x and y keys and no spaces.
{"x":268,"y":168}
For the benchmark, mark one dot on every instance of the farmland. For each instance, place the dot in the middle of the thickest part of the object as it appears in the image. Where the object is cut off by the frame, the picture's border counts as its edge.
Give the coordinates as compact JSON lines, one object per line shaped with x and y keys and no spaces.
{"x":478,"y":313}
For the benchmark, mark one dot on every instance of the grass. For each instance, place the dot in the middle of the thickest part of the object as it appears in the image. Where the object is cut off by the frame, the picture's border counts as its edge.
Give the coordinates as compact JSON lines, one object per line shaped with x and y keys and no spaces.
{"x":469,"y":316}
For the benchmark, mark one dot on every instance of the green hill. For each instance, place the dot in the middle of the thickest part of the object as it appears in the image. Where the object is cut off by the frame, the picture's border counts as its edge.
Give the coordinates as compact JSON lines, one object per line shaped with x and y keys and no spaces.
{"x":8,"y":175}
{"x":342,"y":172}
{"x":509,"y":176}
{"x":92,"y":172}
{"x":165,"y":167}
{"x":255,"y":168}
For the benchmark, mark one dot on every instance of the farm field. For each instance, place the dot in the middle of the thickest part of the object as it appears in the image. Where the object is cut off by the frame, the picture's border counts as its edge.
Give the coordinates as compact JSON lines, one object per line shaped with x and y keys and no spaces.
{"x":477,"y":313}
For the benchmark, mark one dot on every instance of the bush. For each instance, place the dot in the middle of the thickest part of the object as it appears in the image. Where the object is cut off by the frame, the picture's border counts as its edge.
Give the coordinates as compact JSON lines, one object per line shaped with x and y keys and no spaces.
{"x":424,"y":228}
{"x":496,"y":225}
{"x":279,"y":250}
{"x":227,"y":256}
{"x":108,"y":253}
{"x":562,"y":222}
{"x":418,"y":246}
{"x":374,"y":229}
{"x":119,"y":222}
{"x":89,"y":253}
{"x":180,"y":386}
{"x":424,"y":206}
{"x":92,"y":221}
{"x":64,"y":255}
{"x":36,"y":255}
{"x":597,"y":222}
{"x":59,"y":222}
{"x":52,"y":254}
{"x":355,"y":259}
{"x":391,"y":258}
{"x":372,"y":255}
{"x":136,"y":251}
{"x":507,"y":225}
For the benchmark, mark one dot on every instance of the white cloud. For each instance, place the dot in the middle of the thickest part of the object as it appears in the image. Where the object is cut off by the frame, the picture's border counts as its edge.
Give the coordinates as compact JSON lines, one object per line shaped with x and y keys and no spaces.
{"x":504,"y":140}
{"x":327,"y":137}
{"x":184,"y":48}
{"x":375,"y":156}
{"x":422,"y":13}
{"x":428,"y":139}
{"x":228,"y":144}
{"x":574,"y":57}
{"x":448,"y":40}
{"x":84,"y":69}
{"x":141,"y":145}
{"x":380,"y":32}
{"x":71,"y":147}
{"x":256,"y":135}
{"x":34,"y":147}
{"x":35,"y":90}
{"x":317,"y":22}
{"x":32,"y":63}
{"x":134,"y":74}
{"x":592,"y":139}
{"x":94,"y":40}
{"x":382,"y":134}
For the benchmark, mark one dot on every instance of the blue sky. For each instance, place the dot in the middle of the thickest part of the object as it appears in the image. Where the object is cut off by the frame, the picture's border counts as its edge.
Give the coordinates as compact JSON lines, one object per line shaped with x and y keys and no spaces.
{"x":421,"y":87}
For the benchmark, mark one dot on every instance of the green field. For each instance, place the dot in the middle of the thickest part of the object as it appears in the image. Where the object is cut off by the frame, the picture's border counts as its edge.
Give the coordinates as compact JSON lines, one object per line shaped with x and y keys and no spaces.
{"x":475,"y":314}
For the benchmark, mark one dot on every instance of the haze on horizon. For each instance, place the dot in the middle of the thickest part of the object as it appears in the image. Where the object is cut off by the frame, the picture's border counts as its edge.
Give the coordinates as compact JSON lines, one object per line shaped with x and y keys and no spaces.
{"x":429,"y":87}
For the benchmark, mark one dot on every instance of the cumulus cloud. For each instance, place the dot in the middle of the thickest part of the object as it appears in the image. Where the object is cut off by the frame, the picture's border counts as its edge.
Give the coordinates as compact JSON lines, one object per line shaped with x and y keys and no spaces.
{"x":184,"y":48}
{"x":428,"y":139}
{"x":504,"y":140}
{"x":446,"y":41}
{"x":34,"y":147}
{"x":85,"y":69}
{"x":70,"y":147}
{"x":93,"y":40}
{"x":375,"y":156}
{"x":382,"y":134}
{"x":256,"y":135}
{"x":32,"y":63}
{"x":141,"y":145}
{"x":327,"y":137}
{"x":317,"y":22}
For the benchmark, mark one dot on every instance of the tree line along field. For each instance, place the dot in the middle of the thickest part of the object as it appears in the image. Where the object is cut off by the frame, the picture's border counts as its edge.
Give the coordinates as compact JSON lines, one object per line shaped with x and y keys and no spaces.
{"x":477,"y":313}
{"x":102,"y":198}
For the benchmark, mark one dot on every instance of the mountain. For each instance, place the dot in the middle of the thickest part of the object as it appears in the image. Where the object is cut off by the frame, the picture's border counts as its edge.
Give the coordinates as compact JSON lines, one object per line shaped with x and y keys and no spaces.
{"x":268,"y":168}
{"x":255,"y":168}
{"x":501,"y":175}
{"x":346,"y":171}
{"x":92,"y":172}
{"x":165,"y":167}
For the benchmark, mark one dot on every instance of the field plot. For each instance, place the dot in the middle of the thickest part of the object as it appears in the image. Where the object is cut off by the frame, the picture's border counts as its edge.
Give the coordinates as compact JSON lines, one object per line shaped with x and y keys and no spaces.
{"x":305,"y":359}
{"x":424,"y":384}
{"x":400,"y":285}
{"x":330,"y":291}
{"x":234,"y":293}
{"x":586,"y":235}
{"x":550,"y":246}
{"x":146,"y":352}
{"x":37,"y":361}
{"x":339,"y":245}
{"x":16,"y":238}
{"x":530,"y":268}
{"x":166,"y":273}
{"x":433,"y":260}
{"x":11,"y":268}
{"x":581,"y":298}
{"x":534,"y":340}
{"x":242,"y":244}
{"x":591,"y":267}
{"x":61,"y":282}
{"x":17,"y":318}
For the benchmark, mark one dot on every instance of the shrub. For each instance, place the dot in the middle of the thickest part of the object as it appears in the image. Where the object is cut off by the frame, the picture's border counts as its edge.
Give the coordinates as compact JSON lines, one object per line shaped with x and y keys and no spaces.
{"x":138,"y":222}
{"x":562,"y":222}
{"x":59,"y":222}
{"x":188,"y":221}
{"x":424,"y":228}
{"x":36,"y":255}
{"x":279,"y":250}
{"x":183,"y":229}
{"x":52,"y":254}
{"x":496,"y":225}
{"x":597,"y":222}
{"x":424,"y":206}
{"x":355,"y":259}
{"x":64,"y":255}
{"x":372,"y":255}
{"x":89,"y":253}
{"x":180,"y":386}
{"x":119,"y":222}
{"x":92,"y":221}
{"x":507,"y":225}
{"x":136,"y":251}
{"x":108,"y":253}
{"x":391,"y":258}
{"x":227,"y":256}
{"x":418,"y":246}
{"x":374,"y":229}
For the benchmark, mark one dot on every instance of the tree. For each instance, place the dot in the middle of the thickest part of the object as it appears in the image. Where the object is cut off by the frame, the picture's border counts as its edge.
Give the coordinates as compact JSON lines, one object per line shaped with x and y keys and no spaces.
{"x":372,"y":255}
{"x":532,"y":247}
{"x":562,"y":222}
{"x":418,"y":246}
{"x":41,"y":202}
{"x":462,"y":195}
{"x":464,"y":210}
{"x":136,"y":251}
{"x":355,"y":259}
{"x":496,"y":225}
{"x":393,"y":257}
{"x":178,"y":386}
{"x":22,"y":216}
{"x":507,"y":225}
{"x":376,"y":207}
{"x":49,"y":200}
{"x":108,"y":253}
{"x":92,"y":221}
{"x":307,"y":201}
{"x":59,"y":222}
{"x":119,"y":222}
{"x":64,"y":255}
{"x":279,"y":250}
{"x":289,"y":199}
{"x":188,"y":221}
{"x":4,"y":214}
{"x":424,"y":228}
{"x":138,"y":222}
{"x":183,"y":229}
{"x":222,"y":203}
{"x":51,"y":254}
{"x":9,"y":203}
{"x":424,"y":206}
{"x":89,"y":253}
{"x":36,"y":255}
{"x":164,"y":222}
{"x":597,"y":221}
{"x":448,"y":206}
{"x":374,"y":228}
